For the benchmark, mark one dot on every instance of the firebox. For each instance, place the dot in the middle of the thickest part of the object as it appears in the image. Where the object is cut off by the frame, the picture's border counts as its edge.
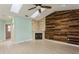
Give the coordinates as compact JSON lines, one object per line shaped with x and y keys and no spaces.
{"x":38,"y":36}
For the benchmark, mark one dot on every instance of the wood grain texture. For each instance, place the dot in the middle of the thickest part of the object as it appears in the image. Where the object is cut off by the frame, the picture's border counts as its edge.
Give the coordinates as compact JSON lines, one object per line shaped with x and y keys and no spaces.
{"x":63,"y":26}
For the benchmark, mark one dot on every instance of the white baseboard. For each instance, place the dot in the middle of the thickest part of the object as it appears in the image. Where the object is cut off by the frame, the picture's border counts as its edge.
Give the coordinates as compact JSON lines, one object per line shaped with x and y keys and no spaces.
{"x":63,"y":43}
{"x":23,"y":41}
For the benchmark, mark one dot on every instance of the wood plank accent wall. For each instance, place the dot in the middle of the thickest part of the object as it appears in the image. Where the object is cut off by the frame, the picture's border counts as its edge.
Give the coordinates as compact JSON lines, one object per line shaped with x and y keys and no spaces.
{"x":63,"y":26}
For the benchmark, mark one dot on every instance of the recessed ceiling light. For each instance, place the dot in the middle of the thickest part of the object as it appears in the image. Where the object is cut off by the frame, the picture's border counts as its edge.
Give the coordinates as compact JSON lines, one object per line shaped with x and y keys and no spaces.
{"x":16,"y":8}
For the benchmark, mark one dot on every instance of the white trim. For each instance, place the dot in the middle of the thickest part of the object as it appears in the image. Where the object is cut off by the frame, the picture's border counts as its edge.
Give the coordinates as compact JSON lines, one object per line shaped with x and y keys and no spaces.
{"x":23,"y":41}
{"x":4,"y":32}
{"x":62,"y":43}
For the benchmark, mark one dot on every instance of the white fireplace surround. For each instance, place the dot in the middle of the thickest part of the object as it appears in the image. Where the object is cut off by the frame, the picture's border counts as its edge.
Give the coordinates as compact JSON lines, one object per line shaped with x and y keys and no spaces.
{"x":38,"y":32}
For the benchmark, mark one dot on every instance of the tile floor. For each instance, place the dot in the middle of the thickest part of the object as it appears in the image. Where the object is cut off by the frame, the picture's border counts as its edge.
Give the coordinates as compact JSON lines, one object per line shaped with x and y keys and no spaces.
{"x":38,"y":46}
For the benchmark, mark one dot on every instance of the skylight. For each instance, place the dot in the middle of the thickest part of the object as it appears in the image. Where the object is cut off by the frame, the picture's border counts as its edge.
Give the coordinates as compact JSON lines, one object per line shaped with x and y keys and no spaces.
{"x":35,"y":14}
{"x":16,"y":8}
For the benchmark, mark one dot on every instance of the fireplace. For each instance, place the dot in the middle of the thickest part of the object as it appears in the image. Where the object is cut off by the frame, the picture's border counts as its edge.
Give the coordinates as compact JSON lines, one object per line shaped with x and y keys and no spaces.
{"x":38,"y":36}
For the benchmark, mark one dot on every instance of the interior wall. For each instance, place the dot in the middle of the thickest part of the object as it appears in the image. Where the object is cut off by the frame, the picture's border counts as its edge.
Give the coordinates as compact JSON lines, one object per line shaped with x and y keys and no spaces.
{"x":2,"y":23}
{"x":2,"y":28}
{"x":22,"y":29}
{"x":63,"y":26}
{"x":42,"y":24}
{"x":38,"y":26}
{"x":8,"y":21}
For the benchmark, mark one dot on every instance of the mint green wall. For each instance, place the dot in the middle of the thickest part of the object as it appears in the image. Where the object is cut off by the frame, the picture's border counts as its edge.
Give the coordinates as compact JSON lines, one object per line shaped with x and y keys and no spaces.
{"x":2,"y":30}
{"x":22,"y":29}
{"x":8,"y":22}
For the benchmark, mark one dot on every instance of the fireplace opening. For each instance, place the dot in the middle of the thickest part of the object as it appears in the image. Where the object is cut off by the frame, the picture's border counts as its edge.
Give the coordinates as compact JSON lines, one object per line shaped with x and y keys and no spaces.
{"x":38,"y":36}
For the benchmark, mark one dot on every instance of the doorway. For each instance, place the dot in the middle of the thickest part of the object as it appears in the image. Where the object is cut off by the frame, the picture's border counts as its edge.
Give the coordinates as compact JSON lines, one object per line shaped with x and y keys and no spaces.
{"x":7,"y":31}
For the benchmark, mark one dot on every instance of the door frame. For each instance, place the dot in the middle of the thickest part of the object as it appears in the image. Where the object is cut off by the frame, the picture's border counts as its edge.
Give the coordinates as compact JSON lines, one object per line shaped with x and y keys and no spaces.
{"x":5,"y":31}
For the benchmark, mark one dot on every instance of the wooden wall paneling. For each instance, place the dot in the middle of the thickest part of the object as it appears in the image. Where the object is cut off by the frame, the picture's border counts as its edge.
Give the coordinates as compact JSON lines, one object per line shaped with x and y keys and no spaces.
{"x":63,"y":26}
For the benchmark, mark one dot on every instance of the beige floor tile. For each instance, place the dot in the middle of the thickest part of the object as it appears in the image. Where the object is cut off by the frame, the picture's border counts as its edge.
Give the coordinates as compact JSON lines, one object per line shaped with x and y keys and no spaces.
{"x":38,"y":46}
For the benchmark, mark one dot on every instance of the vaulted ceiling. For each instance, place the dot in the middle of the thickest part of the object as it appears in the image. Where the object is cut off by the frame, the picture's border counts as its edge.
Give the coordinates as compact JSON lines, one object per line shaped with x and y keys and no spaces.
{"x":5,"y":10}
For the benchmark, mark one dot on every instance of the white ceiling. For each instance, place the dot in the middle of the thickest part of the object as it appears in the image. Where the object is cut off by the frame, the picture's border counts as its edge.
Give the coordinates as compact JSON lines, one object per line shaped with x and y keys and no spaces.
{"x":58,"y":7}
{"x":5,"y":10}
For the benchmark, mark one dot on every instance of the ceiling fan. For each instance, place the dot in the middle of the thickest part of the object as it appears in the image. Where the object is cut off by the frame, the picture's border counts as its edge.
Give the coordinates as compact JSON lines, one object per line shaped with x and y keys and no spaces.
{"x":40,"y":6}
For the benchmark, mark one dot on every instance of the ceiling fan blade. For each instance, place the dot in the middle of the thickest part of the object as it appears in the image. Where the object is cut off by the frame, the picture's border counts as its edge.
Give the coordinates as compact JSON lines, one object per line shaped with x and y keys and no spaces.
{"x":38,"y":4}
{"x":46,"y":7}
{"x":32,"y":8}
{"x":39,"y":10}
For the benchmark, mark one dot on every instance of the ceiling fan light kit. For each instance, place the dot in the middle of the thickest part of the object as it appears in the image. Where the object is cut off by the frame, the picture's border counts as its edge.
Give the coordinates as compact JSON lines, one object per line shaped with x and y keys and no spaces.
{"x":39,"y":6}
{"x":35,"y":14}
{"x":15,"y":8}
